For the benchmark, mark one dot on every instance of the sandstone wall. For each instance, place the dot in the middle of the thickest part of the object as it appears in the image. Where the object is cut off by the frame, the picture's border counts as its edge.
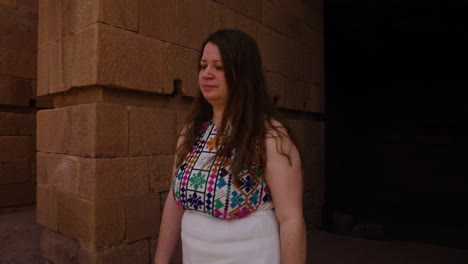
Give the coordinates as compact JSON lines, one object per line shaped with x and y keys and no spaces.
{"x":18,"y":101}
{"x":123,"y":74}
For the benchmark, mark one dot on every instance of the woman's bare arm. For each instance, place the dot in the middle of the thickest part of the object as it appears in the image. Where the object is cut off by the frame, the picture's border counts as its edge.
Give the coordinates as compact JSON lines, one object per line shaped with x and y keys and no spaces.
{"x":284,"y":179}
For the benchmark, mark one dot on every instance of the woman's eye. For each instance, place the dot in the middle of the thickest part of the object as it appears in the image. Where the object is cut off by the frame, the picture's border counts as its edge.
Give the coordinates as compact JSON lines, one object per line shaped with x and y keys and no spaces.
{"x":219,"y":68}
{"x":203,"y":67}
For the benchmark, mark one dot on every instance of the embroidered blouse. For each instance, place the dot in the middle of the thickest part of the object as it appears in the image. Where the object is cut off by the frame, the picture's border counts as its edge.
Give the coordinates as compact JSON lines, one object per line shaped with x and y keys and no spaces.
{"x":205,"y":184}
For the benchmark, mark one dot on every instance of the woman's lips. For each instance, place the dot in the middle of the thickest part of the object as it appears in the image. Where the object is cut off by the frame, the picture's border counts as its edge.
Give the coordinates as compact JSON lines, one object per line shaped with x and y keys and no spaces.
{"x":205,"y":86}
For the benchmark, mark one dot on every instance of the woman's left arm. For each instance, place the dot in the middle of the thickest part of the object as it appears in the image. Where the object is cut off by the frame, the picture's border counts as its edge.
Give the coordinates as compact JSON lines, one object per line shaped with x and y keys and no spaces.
{"x":285,"y":182}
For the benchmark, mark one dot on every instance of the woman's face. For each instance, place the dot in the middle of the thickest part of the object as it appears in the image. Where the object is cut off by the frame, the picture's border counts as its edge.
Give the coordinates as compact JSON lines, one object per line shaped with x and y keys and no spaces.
{"x":211,"y":78}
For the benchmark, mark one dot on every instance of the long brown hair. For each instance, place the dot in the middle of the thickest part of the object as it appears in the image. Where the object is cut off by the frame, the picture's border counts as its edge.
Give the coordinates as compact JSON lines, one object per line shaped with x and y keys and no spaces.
{"x":249,"y":109}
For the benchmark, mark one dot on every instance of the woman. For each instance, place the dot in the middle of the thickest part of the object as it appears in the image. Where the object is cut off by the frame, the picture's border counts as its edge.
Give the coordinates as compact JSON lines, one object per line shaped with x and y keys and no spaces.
{"x":235,"y":162}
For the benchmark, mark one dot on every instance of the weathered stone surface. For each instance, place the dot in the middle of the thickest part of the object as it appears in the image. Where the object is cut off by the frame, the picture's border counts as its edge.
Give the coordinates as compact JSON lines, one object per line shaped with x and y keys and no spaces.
{"x":62,"y":172}
{"x":273,"y":47}
{"x":6,"y":92}
{"x":297,"y":95}
{"x":162,"y":199}
{"x":152,"y":131}
{"x":17,"y":124}
{"x":220,"y":17}
{"x":14,"y":172}
{"x":181,"y":116}
{"x":104,"y":179}
{"x":30,"y":6}
{"x":124,"y":254}
{"x":82,"y":14}
{"x":142,"y":217}
{"x":18,"y":63}
{"x":180,"y":64}
{"x":277,"y":86}
{"x":129,"y":60}
{"x":12,"y":21}
{"x":15,"y":148}
{"x":74,"y":217}
{"x":21,"y":40}
{"x":250,"y":8}
{"x":41,"y":159}
{"x":158,"y":19}
{"x":58,"y":248}
{"x":161,"y":167}
{"x":53,"y":130}
{"x":192,"y":23}
{"x":22,"y":92}
{"x":50,"y":22}
{"x":120,"y":13}
{"x":9,"y":3}
{"x":108,"y":223}
{"x":17,"y":194}
{"x":247,"y":25}
{"x":98,"y":130}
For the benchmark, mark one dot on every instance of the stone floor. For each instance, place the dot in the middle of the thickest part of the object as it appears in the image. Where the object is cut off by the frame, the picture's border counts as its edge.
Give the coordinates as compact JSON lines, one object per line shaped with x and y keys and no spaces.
{"x":20,"y":236}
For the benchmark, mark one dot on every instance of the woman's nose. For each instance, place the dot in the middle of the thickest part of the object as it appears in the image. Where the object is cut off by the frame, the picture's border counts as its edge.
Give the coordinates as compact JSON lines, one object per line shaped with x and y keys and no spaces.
{"x":207,"y":72}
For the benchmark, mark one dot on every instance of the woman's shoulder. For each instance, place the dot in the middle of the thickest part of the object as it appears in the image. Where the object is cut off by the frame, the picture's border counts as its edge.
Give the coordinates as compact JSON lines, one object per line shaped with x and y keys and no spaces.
{"x":274,"y":128}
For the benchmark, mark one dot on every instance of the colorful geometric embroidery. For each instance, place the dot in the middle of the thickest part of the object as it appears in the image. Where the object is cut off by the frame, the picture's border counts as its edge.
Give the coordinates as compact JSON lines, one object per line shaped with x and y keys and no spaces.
{"x":204,"y":183}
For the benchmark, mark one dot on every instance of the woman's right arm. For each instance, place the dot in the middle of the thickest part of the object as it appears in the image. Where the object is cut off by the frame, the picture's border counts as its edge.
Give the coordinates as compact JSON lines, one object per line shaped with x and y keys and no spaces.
{"x":169,"y":232}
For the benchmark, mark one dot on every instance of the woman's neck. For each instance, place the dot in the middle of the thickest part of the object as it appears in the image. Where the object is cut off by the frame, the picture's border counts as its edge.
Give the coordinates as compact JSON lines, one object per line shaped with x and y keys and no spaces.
{"x":217,"y":116}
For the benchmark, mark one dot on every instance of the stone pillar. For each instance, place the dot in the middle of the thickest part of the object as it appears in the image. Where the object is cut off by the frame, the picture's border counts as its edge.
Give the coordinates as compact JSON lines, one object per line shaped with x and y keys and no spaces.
{"x":123,"y":74}
{"x":18,"y":102}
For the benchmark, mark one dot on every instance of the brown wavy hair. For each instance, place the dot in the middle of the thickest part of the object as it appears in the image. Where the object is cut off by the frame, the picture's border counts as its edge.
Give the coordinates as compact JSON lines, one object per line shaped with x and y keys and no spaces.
{"x":249,"y":109}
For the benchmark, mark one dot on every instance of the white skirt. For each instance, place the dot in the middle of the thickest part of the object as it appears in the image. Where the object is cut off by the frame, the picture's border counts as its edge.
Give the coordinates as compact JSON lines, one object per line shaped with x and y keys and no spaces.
{"x":209,"y":240}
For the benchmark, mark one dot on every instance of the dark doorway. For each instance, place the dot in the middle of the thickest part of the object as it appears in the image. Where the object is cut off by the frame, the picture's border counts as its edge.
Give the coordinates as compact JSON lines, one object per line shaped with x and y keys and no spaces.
{"x":396,"y":134}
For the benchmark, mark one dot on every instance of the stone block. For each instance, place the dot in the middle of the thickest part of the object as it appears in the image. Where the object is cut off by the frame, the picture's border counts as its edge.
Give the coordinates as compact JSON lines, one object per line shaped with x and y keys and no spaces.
{"x":181,"y":116}
{"x":311,"y":61}
{"x":129,"y":60}
{"x":50,"y":22}
{"x":53,"y":130}
{"x":62,"y":172}
{"x":15,"y":124}
{"x":9,"y":3}
{"x":20,"y":40}
{"x":123,"y":254}
{"x":108,"y":223}
{"x":152,"y":131}
{"x":98,"y":130}
{"x":12,"y":21}
{"x":41,"y":167}
{"x":273,"y":47}
{"x":6,"y":91}
{"x":32,"y":171}
{"x":22,"y":92}
{"x":120,"y":13}
{"x":18,"y":63}
{"x":191,"y":23}
{"x":74,"y":217}
{"x":58,"y":248}
{"x":161,"y":167}
{"x":14,"y":172}
{"x":80,"y":58}
{"x":105,"y":179}
{"x":15,"y":148}
{"x":250,"y":8}
{"x":46,"y":207}
{"x":82,"y":14}
{"x":158,"y":19}
{"x":180,"y":64}
{"x":142,"y":217}
{"x":16,"y":194}
{"x":316,"y":102}
{"x":247,"y":25}
{"x":297,"y":95}
{"x":30,"y":6}
{"x":277,"y":86}
{"x":221,"y":17}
